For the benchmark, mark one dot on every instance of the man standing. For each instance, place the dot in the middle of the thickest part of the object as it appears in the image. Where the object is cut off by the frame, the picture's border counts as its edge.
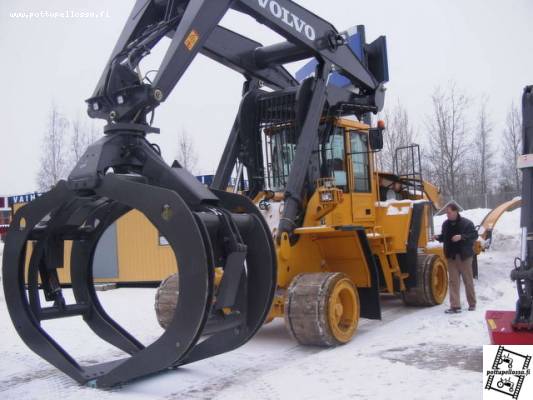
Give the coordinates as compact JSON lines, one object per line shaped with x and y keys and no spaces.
{"x":458,"y":236}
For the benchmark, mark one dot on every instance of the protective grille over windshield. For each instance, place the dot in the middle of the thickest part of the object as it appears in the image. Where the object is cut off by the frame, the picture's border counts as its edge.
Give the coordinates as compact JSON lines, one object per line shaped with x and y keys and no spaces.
{"x":278,"y":129}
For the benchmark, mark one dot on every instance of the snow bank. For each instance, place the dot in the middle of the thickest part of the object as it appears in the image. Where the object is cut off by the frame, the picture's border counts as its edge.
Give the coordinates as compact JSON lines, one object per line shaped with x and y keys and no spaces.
{"x":506,"y":233}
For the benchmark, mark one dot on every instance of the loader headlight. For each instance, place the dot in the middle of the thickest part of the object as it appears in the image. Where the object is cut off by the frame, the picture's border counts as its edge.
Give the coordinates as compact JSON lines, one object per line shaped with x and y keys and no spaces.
{"x":326,"y":196}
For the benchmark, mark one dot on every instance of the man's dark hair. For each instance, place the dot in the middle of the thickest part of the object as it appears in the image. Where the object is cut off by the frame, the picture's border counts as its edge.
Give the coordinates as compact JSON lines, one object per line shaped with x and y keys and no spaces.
{"x":453,"y":207}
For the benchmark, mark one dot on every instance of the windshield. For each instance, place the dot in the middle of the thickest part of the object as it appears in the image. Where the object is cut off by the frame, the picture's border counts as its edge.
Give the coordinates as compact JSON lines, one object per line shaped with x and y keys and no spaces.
{"x":334,"y":158}
{"x":329,"y":158}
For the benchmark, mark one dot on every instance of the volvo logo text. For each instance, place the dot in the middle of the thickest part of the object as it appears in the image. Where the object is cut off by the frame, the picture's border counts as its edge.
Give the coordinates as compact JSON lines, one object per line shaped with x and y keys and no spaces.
{"x":289,"y":18}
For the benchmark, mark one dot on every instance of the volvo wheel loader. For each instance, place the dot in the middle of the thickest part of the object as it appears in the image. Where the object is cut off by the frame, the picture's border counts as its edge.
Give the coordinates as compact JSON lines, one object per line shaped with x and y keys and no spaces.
{"x":348,"y":243}
{"x":312,"y":237}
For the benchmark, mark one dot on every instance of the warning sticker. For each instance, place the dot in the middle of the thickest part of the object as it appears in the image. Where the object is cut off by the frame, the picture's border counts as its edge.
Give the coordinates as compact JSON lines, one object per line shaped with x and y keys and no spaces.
{"x":191,"y":39}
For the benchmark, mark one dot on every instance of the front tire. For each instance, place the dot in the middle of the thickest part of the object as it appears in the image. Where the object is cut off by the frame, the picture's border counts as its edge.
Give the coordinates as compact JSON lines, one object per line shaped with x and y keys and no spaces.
{"x":322,"y":309}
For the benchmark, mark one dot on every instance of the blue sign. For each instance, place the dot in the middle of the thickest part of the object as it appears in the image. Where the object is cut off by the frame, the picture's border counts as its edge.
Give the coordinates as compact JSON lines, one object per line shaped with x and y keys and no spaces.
{"x":22,"y":198}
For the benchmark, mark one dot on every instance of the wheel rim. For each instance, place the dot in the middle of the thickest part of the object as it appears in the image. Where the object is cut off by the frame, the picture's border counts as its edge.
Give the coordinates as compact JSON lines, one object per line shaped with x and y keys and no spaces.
{"x":439,"y":280}
{"x":343,"y":310}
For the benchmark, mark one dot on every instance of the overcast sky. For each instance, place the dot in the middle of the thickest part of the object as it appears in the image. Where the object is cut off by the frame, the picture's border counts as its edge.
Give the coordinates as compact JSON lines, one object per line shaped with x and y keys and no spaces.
{"x":485,"y":46}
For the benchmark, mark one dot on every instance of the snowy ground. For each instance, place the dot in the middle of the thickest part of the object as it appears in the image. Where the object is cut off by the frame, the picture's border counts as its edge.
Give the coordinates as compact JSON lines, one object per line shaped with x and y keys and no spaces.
{"x":415,"y":353}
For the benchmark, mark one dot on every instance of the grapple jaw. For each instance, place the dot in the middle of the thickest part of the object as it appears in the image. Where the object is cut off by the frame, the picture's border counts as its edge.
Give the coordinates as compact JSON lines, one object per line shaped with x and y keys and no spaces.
{"x":220,"y":230}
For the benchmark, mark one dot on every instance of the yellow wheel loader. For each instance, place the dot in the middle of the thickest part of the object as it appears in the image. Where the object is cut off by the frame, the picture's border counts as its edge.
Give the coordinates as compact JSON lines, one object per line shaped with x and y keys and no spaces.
{"x":359,"y":233}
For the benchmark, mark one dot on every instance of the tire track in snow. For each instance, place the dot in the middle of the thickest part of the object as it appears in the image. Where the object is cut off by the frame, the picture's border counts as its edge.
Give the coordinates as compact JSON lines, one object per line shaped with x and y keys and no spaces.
{"x":393,"y":310}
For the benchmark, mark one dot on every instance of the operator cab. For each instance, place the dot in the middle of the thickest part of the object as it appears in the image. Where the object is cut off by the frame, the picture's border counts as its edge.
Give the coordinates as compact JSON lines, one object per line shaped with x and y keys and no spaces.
{"x":343,"y":157}
{"x":343,"y":154}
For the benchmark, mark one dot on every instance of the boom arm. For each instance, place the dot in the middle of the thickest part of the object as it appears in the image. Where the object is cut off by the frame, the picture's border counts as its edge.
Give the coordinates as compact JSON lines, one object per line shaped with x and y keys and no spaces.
{"x":122,"y":96}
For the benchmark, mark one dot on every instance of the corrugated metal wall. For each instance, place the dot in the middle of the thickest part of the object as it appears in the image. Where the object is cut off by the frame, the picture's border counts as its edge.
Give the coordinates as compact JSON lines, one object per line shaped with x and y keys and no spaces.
{"x":141,"y":258}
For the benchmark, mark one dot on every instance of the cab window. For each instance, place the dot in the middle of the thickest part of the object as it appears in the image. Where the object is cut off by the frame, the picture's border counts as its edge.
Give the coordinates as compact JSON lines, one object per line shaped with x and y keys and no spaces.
{"x":360,"y":164}
{"x":334,"y":158}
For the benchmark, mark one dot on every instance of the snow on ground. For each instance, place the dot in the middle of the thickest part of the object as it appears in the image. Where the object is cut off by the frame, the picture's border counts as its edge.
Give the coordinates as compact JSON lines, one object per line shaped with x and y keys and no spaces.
{"x":415,"y":353}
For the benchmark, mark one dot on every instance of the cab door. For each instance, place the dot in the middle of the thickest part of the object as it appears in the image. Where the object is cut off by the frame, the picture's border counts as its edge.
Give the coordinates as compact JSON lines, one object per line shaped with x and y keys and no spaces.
{"x":362,"y":189}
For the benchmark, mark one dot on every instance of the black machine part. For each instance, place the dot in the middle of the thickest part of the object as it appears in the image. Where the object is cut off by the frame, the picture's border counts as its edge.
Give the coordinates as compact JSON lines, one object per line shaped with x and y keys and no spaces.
{"x":123,"y":97}
{"x":223,"y":230}
{"x":205,"y":227}
{"x":523,"y":272}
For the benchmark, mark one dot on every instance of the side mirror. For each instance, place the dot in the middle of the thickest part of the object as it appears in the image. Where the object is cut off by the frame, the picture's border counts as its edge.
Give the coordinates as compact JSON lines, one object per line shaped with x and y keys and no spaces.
{"x":375,"y":137}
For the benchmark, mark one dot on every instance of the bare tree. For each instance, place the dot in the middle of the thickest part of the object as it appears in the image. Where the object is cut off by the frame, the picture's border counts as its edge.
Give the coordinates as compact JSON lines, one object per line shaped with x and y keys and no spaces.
{"x":482,"y":164}
{"x":512,"y":147}
{"x":186,"y":154}
{"x":399,"y":132}
{"x":82,"y":135}
{"x":54,"y":159}
{"x":447,"y":151}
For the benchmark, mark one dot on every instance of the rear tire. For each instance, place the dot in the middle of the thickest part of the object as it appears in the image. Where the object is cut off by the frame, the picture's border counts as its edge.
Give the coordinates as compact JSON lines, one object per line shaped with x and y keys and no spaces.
{"x":166,"y":300}
{"x":432,"y":282}
{"x":322,"y":309}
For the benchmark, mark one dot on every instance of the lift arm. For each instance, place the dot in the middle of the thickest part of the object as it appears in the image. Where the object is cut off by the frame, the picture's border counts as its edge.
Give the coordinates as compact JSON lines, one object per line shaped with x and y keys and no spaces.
{"x":122,"y":96}
{"x":227,"y":47}
{"x":308,"y":35}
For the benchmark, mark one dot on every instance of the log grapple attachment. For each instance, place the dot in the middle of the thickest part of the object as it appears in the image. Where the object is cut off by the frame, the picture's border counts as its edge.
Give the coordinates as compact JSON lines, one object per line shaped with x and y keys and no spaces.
{"x":205,"y":229}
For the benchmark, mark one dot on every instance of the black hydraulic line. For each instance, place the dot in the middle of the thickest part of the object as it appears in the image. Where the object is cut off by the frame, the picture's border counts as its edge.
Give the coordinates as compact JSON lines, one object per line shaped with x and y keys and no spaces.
{"x":143,"y":13}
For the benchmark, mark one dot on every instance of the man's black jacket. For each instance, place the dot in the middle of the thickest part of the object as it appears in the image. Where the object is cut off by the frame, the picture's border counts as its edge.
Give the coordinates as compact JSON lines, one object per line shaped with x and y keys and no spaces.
{"x":464,"y":247}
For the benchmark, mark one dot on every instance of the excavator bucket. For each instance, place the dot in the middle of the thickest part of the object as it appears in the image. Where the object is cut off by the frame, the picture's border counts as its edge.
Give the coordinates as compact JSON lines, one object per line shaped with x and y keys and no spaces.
{"x":228,"y":233}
